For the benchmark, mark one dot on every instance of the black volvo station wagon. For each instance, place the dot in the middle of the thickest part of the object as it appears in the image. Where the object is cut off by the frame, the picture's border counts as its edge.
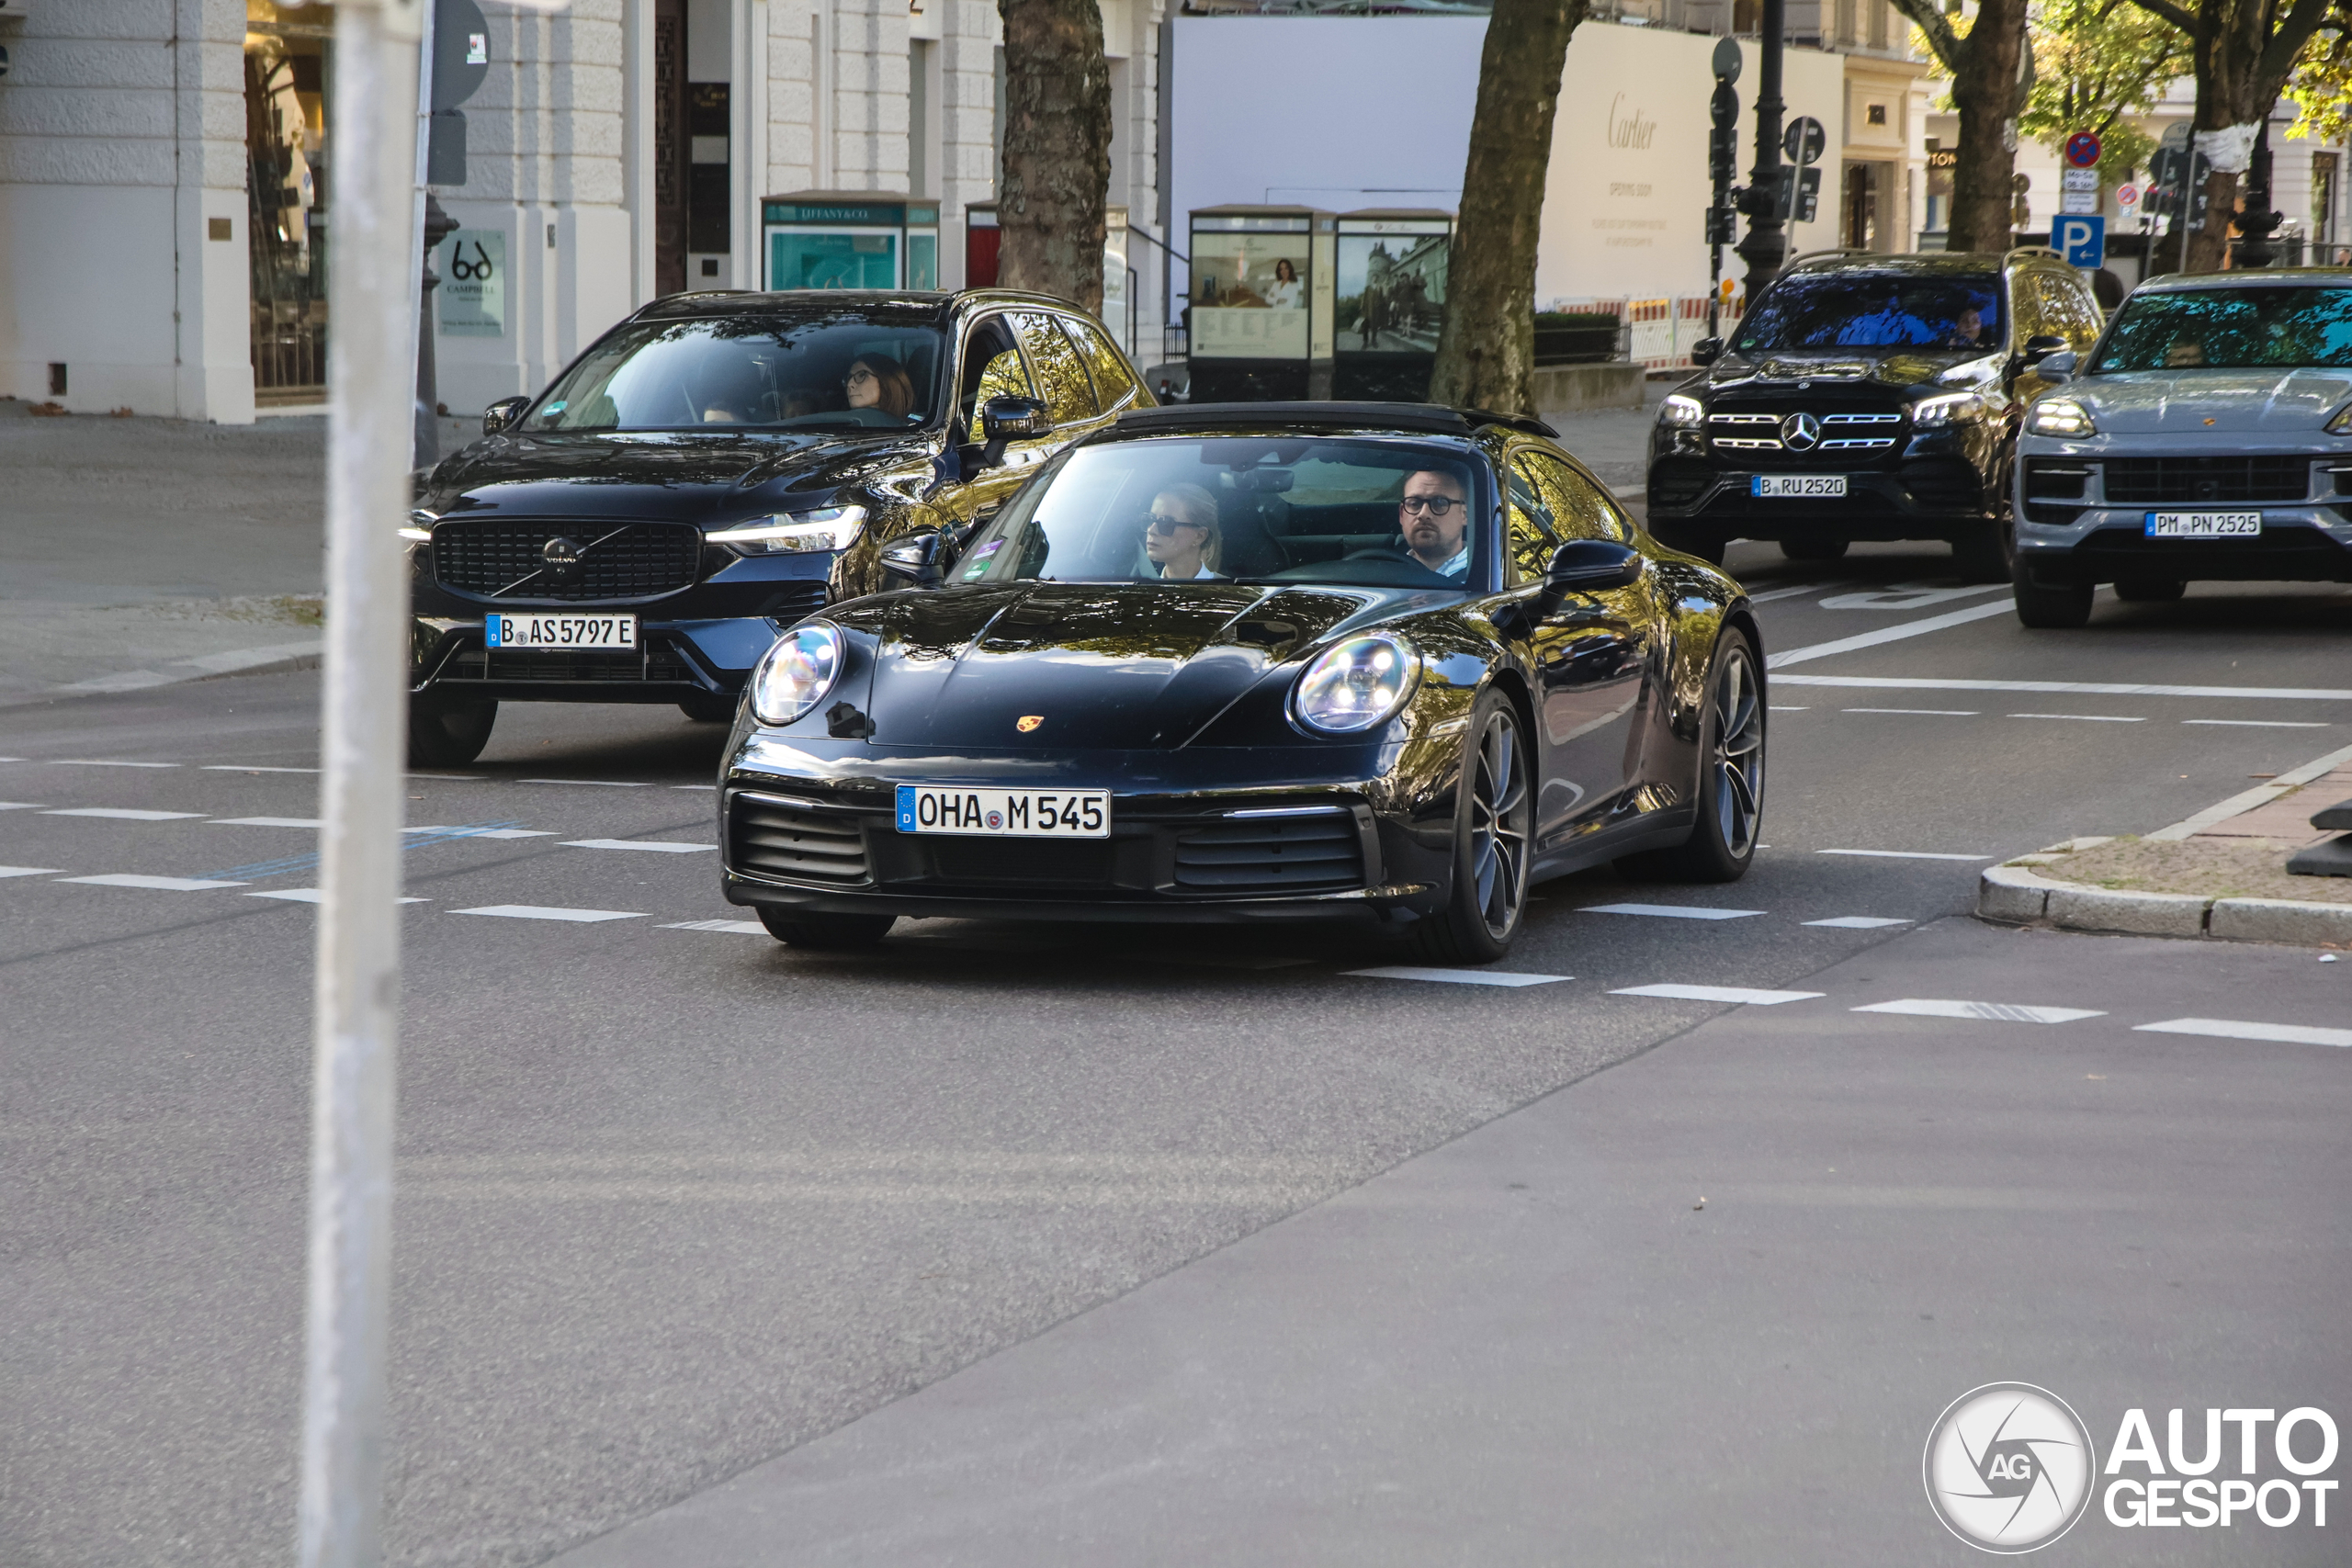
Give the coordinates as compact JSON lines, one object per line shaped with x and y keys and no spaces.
{"x":714,"y":468}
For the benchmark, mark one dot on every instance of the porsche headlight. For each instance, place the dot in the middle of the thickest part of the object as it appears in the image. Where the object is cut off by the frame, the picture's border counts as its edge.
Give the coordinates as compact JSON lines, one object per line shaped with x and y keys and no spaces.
{"x":1950,"y":409}
{"x":2342,"y":424}
{"x":1681,"y":412}
{"x":829,"y":528}
{"x":1356,"y":684}
{"x":2059,"y":416}
{"x":795,"y":673}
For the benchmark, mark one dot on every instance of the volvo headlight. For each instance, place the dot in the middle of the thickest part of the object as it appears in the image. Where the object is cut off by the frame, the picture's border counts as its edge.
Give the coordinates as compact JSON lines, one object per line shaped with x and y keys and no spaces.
{"x":795,"y":673}
{"x":2342,"y":424}
{"x":1356,"y":684}
{"x":420,"y":527}
{"x":829,"y":528}
{"x":1681,"y":412}
{"x":2059,"y":416}
{"x":1950,"y":409}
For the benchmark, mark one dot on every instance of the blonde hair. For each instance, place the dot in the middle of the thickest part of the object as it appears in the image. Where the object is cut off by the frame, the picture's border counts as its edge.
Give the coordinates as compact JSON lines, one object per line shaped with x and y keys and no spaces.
{"x":1197,"y":507}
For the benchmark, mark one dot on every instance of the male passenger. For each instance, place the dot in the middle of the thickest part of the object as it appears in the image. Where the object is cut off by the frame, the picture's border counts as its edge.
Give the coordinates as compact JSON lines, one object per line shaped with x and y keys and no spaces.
{"x":1434,"y":517}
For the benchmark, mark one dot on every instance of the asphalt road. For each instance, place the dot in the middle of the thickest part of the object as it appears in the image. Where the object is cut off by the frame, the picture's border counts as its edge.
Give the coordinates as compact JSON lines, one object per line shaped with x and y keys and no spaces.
{"x":1090,"y":1244}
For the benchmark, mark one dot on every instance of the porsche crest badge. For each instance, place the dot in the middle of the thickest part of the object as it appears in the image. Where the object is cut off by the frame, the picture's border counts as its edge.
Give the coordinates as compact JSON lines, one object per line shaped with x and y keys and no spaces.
{"x":1028,"y":721}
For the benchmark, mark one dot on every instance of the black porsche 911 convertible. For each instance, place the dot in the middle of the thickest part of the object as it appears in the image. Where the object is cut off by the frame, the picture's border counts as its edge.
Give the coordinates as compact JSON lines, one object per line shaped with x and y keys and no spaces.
{"x":1256,"y":661}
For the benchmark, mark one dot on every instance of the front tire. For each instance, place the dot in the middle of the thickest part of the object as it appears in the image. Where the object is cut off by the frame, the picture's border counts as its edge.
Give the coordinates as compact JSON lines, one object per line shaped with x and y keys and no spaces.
{"x":445,"y":734}
{"x":1493,"y":822}
{"x":1721,"y":844}
{"x":825,"y":933}
{"x":1987,"y":554}
{"x":2148,"y":590}
{"x":2063,"y":607}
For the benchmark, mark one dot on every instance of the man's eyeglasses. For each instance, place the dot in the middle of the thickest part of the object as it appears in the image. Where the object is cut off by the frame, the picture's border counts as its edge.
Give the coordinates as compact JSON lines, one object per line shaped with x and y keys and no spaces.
{"x":1435,"y":505}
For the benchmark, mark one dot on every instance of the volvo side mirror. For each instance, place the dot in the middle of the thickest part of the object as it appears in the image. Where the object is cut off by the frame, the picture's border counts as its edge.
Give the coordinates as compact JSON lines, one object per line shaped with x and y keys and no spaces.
{"x":2059,"y":366}
{"x":1589,"y":565}
{"x":503,"y":415}
{"x":1706,"y":351}
{"x":2040,"y":347}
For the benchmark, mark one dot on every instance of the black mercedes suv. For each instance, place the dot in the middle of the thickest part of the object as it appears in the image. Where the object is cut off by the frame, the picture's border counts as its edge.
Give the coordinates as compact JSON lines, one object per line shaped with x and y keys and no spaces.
{"x":1867,"y":397}
{"x":712,"y":470}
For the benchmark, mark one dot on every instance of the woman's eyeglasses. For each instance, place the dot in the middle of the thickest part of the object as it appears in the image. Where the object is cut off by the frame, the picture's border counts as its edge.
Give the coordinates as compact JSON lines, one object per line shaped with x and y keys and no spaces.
{"x":857,"y":375}
{"x":1435,"y":505}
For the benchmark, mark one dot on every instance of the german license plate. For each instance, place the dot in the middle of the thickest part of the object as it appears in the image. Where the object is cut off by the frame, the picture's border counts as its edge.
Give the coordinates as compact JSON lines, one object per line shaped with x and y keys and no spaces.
{"x":1006,"y":813}
{"x":560,"y":632}
{"x":1800,"y":487}
{"x":2203,"y":525}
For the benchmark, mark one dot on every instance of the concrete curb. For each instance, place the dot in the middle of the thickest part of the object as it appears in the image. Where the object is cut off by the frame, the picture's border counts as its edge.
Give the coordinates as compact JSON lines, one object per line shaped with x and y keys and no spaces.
{"x":279,"y":658}
{"x":2014,"y":894}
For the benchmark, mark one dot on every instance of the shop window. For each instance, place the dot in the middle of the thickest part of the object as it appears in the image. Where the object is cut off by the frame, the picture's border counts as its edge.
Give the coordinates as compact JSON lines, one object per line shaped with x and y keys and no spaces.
{"x":288,"y":186}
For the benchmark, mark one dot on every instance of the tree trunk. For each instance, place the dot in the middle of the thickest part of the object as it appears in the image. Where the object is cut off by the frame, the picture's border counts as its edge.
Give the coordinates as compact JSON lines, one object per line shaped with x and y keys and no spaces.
{"x":1985,"y":90}
{"x":1057,"y":149}
{"x":1485,"y":356}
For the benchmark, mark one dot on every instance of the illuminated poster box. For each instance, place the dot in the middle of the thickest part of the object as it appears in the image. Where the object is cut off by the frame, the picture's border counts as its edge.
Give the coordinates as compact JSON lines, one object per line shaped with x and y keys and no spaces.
{"x":1261,"y":309}
{"x":827,"y":239}
{"x":1389,"y":303}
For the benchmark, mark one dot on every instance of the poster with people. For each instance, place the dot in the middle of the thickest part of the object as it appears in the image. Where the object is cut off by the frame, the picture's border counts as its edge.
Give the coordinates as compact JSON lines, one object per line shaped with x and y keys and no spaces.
{"x":1391,"y":288}
{"x":1249,"y":294}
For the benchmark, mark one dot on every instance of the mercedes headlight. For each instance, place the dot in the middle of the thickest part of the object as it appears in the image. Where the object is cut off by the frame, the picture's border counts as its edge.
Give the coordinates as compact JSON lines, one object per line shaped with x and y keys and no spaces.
{"x":829,"y":528}
{"x":1950,"y":409}
{"x":2342,"y":424}
{"x":1357,"y":684}
{"x":795,"y":673}
{"x":1681,"y":412}
{"x":2059,"y":416}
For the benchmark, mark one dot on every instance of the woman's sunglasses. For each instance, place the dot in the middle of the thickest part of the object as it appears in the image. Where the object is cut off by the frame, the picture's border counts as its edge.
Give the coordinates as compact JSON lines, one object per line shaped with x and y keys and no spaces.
{"x":1163,"y":523}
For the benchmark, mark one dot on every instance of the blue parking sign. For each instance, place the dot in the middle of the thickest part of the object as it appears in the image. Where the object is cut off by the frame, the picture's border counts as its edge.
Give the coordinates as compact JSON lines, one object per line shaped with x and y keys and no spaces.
{"x":2081,"y":238}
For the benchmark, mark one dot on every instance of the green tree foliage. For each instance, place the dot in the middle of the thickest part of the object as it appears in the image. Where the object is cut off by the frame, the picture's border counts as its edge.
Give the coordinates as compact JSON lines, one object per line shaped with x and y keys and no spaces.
{"x":2098,"y":63}
{"x":2322,"y":86}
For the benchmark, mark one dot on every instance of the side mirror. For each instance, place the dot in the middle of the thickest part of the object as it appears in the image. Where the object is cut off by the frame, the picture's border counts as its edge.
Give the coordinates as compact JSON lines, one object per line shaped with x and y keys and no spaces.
{"x":2040,"y":347}
{"x":913,"y":560}
{"x":1589,"y":566}
{"x":503,"y":414}
{"x":1706,"y":351}
{"x":2059,"y":366}
{"x":1009,"y":419}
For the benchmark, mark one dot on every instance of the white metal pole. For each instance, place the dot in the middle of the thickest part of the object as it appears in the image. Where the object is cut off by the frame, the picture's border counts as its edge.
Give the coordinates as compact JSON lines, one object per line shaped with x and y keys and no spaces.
{"x":416,"y":209}
{"x":371,"y":388}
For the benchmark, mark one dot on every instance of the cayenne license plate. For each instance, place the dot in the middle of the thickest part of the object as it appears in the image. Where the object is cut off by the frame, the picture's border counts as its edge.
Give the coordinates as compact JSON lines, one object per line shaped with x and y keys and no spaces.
{"x":1804,"y":486}
{"x":2203,"y":525}
{"x":1006,"y":813}
{"x":561,"y":632}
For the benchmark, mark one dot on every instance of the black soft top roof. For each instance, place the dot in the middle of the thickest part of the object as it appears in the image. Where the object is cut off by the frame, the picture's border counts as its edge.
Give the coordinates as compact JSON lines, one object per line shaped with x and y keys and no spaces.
{"x":1415,"y":419}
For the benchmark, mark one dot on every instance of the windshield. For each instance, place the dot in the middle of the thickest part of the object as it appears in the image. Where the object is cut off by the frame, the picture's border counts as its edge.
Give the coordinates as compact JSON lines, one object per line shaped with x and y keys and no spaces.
{"x":827,"y":366}
{"x":2222,"y":329}
{"x":1254,"y":509}
{"x":1875,"y":309}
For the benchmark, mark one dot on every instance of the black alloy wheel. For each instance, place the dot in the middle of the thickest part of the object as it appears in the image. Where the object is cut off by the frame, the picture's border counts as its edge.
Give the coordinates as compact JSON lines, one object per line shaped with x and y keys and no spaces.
{"x":2148,"y":590}
{"x":1812,"y":549}
{"x":1705,"y":543}
{"x":443,"y":733}
{"x":825,"y":933}
{"x":1493,"y":820}
{"x":1721,"y":844}
{"x":2059,"y":606}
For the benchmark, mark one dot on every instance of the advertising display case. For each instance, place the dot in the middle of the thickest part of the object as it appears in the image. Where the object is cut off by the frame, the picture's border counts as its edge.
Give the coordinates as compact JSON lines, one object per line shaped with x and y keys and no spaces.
{"x":830,"y":239}
{"x":1260,"y":318}
{"x":1389,"y":303}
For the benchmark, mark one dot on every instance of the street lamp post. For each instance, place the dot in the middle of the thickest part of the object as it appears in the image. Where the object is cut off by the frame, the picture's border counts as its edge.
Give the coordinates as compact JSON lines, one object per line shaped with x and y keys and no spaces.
{"x":1767,"y":244}
{"x":2257,"y":221}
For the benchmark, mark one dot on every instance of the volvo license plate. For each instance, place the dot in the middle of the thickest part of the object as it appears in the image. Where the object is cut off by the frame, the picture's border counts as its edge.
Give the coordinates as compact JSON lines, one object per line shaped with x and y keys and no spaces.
{"x":2203,"y":525}
{"x":560,"y":633}
{"x":1798,"y":487}
{"x":1006,"y":813}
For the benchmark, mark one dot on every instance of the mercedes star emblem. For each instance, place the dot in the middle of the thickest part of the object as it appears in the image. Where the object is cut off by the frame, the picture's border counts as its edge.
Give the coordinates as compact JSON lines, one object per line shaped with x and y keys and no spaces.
{"x":1799,"y":432}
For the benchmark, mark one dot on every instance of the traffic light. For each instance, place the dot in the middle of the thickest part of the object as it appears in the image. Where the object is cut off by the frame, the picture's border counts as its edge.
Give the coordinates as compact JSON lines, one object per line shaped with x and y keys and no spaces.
{"x":460,"y":61}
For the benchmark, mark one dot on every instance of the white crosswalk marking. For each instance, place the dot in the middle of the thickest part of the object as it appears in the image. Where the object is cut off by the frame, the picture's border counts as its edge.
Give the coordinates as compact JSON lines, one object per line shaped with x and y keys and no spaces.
{"x":2084,"y":717}
{"x":483,"y":832}
{"x":122,"y":814}
{"x":265,"y":821}
{"x":1457,"y":977}
{"x":8,"y":870}
{"x":1669,"y":911}
{"x":19,"y":805}
{"x":1859,"y":922}
{"x":2231,"y":1028}
{"x":159,"y":884}
{"x":103,"y":762}
{"x":547,"y":912}
{"x":1991,"y":1012}
{"x":1718,"y":994}
{"x":659,"y":846}
{"x":737,"y":928}
{"x":310,"y":896}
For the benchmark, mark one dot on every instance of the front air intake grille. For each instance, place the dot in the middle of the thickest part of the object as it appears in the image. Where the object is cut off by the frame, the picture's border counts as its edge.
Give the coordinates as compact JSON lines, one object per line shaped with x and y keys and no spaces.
{"x":1271,"y":854}
{"x":1678,"y":482}
{"x":504,"y":559}
{"x":793,"y":841}
{"x":2138,"y":481}
{"x":2053,"y":478}
{"x":1944,"y":482}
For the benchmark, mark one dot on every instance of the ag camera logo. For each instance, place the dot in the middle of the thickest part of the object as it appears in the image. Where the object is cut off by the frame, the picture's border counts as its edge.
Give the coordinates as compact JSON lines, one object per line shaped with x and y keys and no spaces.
{"x":2009,"y":1467}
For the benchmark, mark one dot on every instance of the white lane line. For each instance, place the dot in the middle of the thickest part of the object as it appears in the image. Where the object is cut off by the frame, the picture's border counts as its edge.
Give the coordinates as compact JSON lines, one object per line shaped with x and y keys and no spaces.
{"x":1719,"y":994}
{"x":1992,"y":1013}
{"x":8,"y":870}
{"x":485,"y":832}
{"x":657,"y":846}
{"x":122,"y":813}
{"x":1457,"y":977}
{"x":2231,"y":1028}
{"x":159,"y":884}
{"x":253,"y":768}
{"x":1783,"y":707}
{"x":14,"y":759}
{"x":2085,"y":717}
{"x":599,"y":784}
{"x":100,"y":762}
{"x":1859,"y":922}
{"x":1887,"y":634}
{"x":1670,"y":911}
{"x":449,"y":778}
{"x":712,"y":787}
{"x":545,"y":912}
{"x":265,"y":821}
{"x":19,"y":805}
{"x":1901,"y":854}
{"x":310,"y":896}
{"x":2077,"y":688}
{"x":1931,"y":713}
{"x":734,"y":928}
{"x":1766,"y":598}
{"x":2262,"y":723}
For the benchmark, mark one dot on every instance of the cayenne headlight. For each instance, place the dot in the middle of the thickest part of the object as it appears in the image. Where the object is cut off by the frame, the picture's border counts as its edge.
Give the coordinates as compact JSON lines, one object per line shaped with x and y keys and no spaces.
{"x":1950,"y":409}
{"x":1681,"y":412}
{"x":1357,"y":684}
{"x":2342,"y":424}
{"x":795,"y":673}
{"x":786,"y":534}
{"x":2059,"y":416}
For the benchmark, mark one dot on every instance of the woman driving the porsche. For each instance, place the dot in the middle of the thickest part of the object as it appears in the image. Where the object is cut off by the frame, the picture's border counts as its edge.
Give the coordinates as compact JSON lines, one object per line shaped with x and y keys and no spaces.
{"x":1183,"y":541}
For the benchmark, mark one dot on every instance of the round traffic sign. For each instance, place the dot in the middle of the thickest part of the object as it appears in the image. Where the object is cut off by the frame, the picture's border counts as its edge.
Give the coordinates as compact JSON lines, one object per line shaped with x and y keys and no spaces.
{"x":2127,"y":197}
{"x":2082,"y":150}
{"x":1726,"y":60}
{"x":1804,"y":141}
